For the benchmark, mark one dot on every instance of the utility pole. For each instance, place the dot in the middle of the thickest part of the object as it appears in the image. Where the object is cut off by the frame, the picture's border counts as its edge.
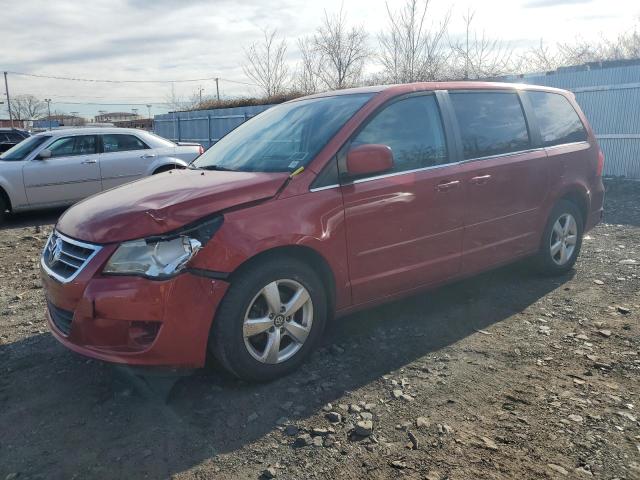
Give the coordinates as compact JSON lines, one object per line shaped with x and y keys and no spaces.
{"x":149,"y":109}
{"x":6,"y":89}
{"x":200,"y":90}
{"x":48,"y":100}
{"x":217,"y":89}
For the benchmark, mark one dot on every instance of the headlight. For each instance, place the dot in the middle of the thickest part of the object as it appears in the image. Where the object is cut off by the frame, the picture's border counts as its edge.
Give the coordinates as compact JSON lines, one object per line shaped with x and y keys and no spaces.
{"x":161,"y":256}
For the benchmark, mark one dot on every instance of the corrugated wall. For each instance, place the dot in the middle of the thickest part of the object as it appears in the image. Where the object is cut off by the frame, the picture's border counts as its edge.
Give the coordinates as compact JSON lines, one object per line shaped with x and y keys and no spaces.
{"x":203,"y":126}
{"x":610,"y":98}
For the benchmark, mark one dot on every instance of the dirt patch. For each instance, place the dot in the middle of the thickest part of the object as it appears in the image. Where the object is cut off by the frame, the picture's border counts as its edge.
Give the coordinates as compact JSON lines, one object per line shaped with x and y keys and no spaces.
{"x":507,"y":375}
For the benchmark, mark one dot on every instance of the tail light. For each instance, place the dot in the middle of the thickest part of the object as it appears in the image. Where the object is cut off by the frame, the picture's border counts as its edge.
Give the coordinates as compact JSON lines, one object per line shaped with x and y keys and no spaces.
{"x":200,"y":149}
{"x":600,"y":168}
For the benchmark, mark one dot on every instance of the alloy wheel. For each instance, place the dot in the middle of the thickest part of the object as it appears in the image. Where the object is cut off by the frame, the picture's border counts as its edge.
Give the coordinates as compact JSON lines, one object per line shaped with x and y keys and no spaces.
{"x":278,"y":321}
{"x":564,"y":236}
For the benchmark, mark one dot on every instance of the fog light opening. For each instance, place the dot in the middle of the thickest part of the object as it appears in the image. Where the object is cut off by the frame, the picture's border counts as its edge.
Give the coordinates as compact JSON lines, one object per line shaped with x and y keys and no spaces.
{"x":144,"y":333}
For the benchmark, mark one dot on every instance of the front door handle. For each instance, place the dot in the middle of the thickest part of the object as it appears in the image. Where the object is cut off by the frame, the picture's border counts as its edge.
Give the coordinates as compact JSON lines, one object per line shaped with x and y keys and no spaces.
{"x":481,"y":180}
{"x":444,"y":186}
{"x":89,"y":161}
{"x":148,"y":155}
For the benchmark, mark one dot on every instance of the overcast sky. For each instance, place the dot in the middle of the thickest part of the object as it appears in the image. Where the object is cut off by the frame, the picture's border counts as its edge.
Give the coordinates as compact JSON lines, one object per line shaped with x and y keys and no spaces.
{"x":184,"y":39}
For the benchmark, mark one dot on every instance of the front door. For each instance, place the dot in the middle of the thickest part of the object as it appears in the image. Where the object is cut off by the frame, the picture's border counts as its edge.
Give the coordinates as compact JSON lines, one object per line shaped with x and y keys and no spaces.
{"x":404,"y":227}
{"x":506,"y":180}
{"x":70,"y":174}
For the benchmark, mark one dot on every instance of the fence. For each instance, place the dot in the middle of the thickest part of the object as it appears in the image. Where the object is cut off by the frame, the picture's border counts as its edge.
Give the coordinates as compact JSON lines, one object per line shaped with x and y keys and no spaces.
{"x":610,"y":98}
{"x":203,"y":126}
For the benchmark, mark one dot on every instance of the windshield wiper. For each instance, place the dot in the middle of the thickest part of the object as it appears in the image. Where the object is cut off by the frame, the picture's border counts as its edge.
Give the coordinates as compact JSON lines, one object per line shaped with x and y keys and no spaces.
{"x":217,"y":168}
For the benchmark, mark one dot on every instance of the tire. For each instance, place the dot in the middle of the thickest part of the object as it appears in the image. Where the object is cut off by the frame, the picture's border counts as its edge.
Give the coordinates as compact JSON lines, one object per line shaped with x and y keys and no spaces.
{"x":242,"y":346}
{"x":546,"y":261}
{"x":3,"y":210}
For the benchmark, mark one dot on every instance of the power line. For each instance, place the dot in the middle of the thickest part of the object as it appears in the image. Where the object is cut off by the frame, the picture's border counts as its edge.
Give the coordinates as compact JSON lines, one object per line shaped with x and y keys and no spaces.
{"x":95,"y":80}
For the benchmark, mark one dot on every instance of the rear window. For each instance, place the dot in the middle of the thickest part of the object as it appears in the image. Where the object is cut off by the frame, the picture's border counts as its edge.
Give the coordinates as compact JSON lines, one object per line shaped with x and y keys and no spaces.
{"x":558,"y":121}
{"x":491,"y":123}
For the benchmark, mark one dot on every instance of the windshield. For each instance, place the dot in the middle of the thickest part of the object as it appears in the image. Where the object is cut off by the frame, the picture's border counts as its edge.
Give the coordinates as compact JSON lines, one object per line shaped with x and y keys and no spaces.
{"x":24,"y":148}
{"x":283,"y":138}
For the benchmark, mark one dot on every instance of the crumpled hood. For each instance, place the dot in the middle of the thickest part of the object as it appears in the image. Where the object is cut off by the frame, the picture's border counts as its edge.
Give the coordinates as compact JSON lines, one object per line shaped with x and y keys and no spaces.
{"x":164,"y":202}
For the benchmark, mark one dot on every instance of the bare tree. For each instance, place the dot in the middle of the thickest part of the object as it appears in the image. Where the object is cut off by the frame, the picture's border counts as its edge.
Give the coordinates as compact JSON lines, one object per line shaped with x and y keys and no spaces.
{"x":342,"y":51}
{"x":174,"y":102}
{"x":27,"y":107}
{"x":540,"y":59}
{"x":478,"y":56}
{"x":307,"y":80}
{"x":266,"y":64}
{"x":412,"y":50}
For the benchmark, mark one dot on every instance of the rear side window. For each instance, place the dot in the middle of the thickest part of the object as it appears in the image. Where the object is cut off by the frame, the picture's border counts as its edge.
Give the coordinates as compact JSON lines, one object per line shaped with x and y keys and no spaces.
{"x":559,"y":123}
{"x":412,"y":128}
{"x":122,"y":143}
{"x":69,"y":146}
{"x":491,"y":123}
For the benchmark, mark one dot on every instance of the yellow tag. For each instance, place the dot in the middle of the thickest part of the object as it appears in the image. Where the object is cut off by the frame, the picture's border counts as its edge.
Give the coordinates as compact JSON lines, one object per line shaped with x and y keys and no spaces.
{"x":296,"y":172}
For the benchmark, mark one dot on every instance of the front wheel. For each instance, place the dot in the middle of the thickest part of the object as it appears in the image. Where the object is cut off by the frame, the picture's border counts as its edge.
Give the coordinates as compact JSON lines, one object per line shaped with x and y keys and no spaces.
{"x":270,"y":319}
{"x":562,"y":239}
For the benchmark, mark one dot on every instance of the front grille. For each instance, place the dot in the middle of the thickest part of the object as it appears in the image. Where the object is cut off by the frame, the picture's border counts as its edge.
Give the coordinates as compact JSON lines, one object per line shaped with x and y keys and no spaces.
{"x":64,"y":258}
{"x":61,"y":318}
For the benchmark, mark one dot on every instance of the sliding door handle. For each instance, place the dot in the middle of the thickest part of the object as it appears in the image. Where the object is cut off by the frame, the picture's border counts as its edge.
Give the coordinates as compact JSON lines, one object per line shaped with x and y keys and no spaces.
{"x":444,"y":186}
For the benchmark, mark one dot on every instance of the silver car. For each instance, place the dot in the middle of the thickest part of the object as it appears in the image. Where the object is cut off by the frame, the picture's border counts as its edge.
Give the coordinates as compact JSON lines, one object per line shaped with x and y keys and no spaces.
{"x":59,"y":167}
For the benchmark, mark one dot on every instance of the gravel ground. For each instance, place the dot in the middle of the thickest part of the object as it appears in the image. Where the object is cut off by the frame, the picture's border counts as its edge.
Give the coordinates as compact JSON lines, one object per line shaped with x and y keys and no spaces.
{"x":506,"y":375}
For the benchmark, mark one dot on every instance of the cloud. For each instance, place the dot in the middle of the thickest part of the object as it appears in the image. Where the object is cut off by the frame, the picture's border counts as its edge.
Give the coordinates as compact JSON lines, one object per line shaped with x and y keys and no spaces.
{"x":552,"y":3}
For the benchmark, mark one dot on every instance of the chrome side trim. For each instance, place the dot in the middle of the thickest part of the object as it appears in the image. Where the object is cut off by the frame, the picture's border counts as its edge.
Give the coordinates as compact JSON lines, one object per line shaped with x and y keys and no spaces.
{"x":327,"y":187}
{"x":70,"y":182}
{"x":88,"y":246}
{"x":462,"y":162}
{"x":582,"y":143}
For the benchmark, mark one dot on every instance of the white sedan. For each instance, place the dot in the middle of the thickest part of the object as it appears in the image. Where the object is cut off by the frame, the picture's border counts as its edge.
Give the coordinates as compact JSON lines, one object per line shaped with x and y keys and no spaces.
{"x":59,"y":167}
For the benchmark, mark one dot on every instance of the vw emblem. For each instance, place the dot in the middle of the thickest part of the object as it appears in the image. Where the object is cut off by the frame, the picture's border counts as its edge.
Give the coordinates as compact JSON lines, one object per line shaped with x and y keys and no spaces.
{"x":54,"y":252}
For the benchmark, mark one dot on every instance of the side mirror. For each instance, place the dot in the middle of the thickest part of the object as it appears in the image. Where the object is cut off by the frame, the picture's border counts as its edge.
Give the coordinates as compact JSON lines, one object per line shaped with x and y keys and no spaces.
{"x":44,"y":154}
{"x":368,"y":159}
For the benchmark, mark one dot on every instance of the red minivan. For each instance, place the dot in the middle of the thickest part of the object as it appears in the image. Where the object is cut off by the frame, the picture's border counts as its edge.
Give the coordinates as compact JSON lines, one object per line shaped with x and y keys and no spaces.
{"x":318,"y":207}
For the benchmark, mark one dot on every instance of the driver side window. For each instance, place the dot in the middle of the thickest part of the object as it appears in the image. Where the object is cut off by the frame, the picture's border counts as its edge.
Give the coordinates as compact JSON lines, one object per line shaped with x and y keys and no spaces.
{"x":70,"y":146}
{"x":412,"y":128}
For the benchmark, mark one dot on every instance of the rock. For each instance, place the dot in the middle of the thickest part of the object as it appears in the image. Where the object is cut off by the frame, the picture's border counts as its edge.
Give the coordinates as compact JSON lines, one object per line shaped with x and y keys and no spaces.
{"x":269,"y":472}
{"x":623,"y":310}
{"x":628,"y":261}
{"x":320,"y":431}
{"x":598,"y":282}
{"x":353,"y":408}
{"x":544,"y":330}
{"x":317,"y":441}
{"x":253,"y":417}
{"x":328,"y":407}
{"x":364,"y":428}
{"x":413,"y":439}
{"x":397,"y":393}
{"x":583,"y":471}
{"x":490,"y":444}
{"x":369,"y":406}
{"x":333,"y":417}
{"x":422,"y":422}
{"x":291,"y":430}
{"x":627,"y":415}
{"x":303,"y":440}
{"x":366,"y":416}
{"x":558,"y":469}
{"x":444,"y":429}
{"x":582,"y":336}
{"x":605,"y":333}
{"x":575,"y":418}
{"x":399,"y":464}
{"x":282,"y":421}
{"x":433,"y":475}
{"x":329,"y":440}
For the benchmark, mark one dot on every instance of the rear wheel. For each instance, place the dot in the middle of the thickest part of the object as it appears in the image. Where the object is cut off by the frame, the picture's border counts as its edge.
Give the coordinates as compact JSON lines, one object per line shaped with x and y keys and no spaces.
{"x":165,"y":168}
{"x":270,"y":319}
{"x":3,"y":210}
{"x":562,"y":239}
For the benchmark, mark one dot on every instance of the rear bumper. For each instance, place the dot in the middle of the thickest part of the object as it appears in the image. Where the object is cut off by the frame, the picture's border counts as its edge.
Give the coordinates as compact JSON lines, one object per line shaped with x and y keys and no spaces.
{"x":135,"y":321}
{"x":596,"y":210}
